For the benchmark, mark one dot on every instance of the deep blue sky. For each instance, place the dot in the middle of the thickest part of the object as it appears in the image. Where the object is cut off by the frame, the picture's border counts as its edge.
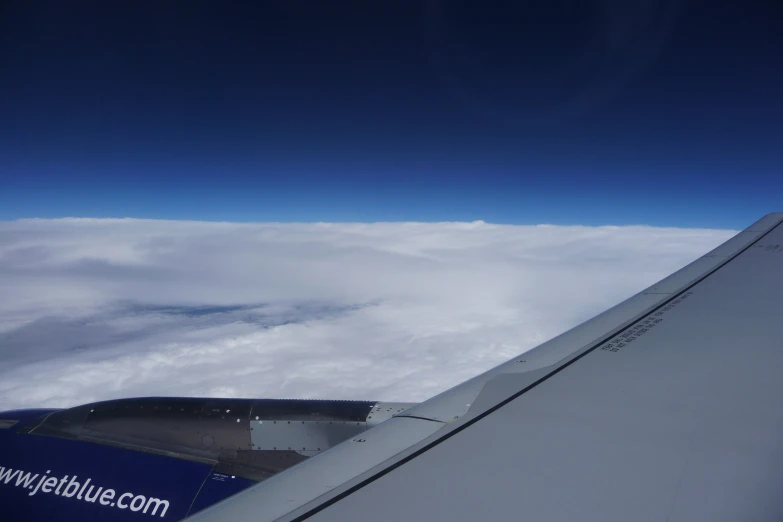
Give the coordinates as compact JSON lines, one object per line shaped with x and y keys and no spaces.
{"x":592,"y":112}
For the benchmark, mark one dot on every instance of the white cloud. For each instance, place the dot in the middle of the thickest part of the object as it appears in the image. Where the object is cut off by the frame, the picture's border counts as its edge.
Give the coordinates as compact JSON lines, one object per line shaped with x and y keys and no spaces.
{"x":97,"y":309}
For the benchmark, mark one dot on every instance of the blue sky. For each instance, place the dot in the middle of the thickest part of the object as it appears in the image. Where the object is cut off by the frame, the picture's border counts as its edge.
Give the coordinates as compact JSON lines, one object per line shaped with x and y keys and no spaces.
{"x":665,"y":113}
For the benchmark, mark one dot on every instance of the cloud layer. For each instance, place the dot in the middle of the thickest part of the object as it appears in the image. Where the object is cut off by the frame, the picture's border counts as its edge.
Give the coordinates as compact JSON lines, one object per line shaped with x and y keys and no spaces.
{"x":97,"y":309}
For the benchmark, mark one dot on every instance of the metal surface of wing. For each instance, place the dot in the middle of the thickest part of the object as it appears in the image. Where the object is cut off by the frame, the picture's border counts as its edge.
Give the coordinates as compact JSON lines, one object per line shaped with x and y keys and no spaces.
{"x":665,"y":407}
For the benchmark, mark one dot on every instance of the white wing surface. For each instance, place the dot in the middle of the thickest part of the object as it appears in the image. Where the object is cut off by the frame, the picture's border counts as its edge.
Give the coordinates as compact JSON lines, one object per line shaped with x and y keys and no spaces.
{"x":667,"y":407}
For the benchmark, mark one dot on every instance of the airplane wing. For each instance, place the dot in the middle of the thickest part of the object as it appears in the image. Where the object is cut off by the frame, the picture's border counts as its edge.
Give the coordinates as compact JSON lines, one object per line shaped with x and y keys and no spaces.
{"x":668,"y":406}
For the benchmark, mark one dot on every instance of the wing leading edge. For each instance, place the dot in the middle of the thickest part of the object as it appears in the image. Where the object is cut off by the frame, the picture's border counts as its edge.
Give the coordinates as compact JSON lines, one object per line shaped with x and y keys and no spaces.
{"x":665,"y":407}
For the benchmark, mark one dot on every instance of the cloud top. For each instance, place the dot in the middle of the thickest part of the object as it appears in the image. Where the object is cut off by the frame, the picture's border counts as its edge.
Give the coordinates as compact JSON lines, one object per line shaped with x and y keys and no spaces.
{"x":103,"y":308}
